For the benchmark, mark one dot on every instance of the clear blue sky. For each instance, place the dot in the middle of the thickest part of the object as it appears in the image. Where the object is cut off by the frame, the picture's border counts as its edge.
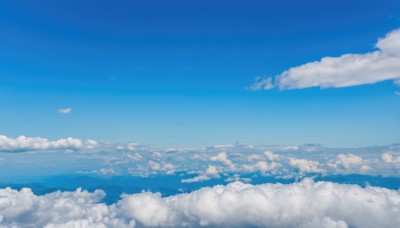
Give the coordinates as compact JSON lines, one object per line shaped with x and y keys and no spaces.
{"x":175,"y":72}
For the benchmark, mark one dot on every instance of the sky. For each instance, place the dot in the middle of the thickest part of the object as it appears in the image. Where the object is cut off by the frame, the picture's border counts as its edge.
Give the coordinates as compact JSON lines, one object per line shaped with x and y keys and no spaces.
{"x":182,"y":73}
{"x":199,"y":113}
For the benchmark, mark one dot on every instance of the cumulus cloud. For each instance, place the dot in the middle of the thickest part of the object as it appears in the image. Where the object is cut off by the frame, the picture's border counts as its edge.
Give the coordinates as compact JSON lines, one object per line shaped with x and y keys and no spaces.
{"x":349,"y":161}
{"x":91,"y":144}
{"x":59,"y":209}
{"x":22,"y":143}
{"x":65,"y":110}
{"x":346,"y":70}
{"x":306,"y":166}
{"x":223,"y":158}
{"x":302,"y":204}
{"x":261,"y":166}
{"x":161,"y":167}
{"x":388,"y":158}
{"x":211,"y":172}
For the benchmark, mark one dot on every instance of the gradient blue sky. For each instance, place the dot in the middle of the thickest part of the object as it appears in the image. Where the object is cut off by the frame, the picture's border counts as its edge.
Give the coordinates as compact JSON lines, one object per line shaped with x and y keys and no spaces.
{"x":175,"y":72}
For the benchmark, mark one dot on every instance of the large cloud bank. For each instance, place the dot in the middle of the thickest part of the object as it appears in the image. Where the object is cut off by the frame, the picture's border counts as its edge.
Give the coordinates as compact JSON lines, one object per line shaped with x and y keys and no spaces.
{"x":23,"y":143}
{"x":346,"y":70}
{"x":302,"y":204}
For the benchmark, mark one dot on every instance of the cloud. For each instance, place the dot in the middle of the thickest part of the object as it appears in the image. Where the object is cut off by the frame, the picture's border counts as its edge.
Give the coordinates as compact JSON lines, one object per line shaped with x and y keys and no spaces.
{"x":102,"y":171}
{"x":278,"y":161}
{"x":65,"y":110}
{"x":262,"y":83}
{"x":22,"y":144}
{"x":346,"y":70}
{"x":223,"y":158}
{"x":302,"y":204}
{"x":349,"y":162}
{"x":388,"y":158}
{"x":261,"y":166}
{"x":211,"y":172}
{"x":306,"y":166}
{"x":91,"y":144}
{"x":161,"y":167}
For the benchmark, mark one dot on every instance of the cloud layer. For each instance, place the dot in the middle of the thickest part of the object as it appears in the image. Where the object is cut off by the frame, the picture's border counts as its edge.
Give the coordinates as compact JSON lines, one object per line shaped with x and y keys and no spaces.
{"x":302,"y":204}
{"x":346,"y":70}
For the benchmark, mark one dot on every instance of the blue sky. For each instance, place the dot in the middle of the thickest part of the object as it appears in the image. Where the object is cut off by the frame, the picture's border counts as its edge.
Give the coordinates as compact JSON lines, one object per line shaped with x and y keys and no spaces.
{"x":176,"y":72}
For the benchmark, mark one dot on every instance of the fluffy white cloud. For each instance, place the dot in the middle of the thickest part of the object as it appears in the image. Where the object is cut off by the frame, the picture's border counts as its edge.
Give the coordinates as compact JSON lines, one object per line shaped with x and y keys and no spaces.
{"x":23,"y":143}
{"x":65,"y":110}
{"x":388,"y":158}
{"x":261,"y":166}
{"x":211,"y":172}
{"x":302,"y":204}
{"x":349,"y":162}
{"x":271,"y":156}
{"x":346,"y":70}
{"x":223,"y":158}
{"x":58,"y":209}
{"x":306,"y":166}
{"x":91,"y":144}
{"x":162,"y":167}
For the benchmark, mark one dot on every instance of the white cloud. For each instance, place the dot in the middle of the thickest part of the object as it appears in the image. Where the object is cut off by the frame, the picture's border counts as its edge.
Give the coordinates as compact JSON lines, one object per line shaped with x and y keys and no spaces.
{"x":346,"y":70}
{"x":91,"y":144}
{"x":287,"y":148}
{"x":23,"y":143}
{"x":306,"y":166}
{"x":58,"y":209}
{"x":388,"y":158}
{"x":223,"y":158}
{"x":349,"y":162}
{"x":302,"y":204}
{"x":345,"y":161}
{"x":261,"y":166}
{"x":65,"y":110}
{"x":211,"y":172}
{"x":135,"y":157}
{"x":271,"y":156}
{"x":162,"y":167}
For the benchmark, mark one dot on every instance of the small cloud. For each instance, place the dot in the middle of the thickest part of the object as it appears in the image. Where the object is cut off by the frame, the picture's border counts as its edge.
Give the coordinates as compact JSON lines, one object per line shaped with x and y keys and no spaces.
{"x":397,"y":93}
{"x":65,"y":110}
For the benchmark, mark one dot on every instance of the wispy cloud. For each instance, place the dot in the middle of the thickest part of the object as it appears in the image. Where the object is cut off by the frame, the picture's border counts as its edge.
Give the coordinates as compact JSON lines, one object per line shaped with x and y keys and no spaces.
{"x":65,"y":110}
{"x":346,"y":70}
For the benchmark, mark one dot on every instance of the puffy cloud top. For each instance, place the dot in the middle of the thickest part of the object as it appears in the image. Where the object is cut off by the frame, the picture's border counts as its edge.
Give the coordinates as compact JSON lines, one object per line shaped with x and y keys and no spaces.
{"x":302,"y":204}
